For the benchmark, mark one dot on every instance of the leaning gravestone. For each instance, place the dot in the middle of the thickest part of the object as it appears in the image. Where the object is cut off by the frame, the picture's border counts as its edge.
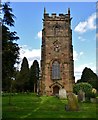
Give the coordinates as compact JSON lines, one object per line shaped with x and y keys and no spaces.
{"x":62,"y":93}
{"x":72,"y":103}
{"x":81,"y":96}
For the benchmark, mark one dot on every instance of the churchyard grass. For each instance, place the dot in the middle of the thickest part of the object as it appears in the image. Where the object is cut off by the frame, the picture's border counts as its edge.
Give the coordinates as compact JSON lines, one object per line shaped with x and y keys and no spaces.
{"x":32,"y":106}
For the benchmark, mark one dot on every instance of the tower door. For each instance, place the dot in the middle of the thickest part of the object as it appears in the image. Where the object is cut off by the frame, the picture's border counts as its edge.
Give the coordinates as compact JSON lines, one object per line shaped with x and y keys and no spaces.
{"x":55,"y":90}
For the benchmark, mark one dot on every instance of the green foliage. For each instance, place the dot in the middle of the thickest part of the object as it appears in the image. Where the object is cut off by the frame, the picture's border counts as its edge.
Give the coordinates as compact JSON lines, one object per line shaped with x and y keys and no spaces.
{"x":10,"y":49}
{"x":28,"y":106}
{"x":86,"y":87}
{"x":22,"y":80}
{"x":34,"y":76}
{"x":27,"y":79}
{"x":92,"y":95}
{"x":8,"y":16}
{"x":24,"y":65}
{"x":89,"y":76}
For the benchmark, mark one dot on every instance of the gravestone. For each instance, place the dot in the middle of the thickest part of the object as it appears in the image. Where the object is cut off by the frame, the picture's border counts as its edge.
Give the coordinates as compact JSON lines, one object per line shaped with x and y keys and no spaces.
{"x":81,"y":96}
{"x":62,"y":93}
{"x":97,"y":100}
{"x":72,"y":103}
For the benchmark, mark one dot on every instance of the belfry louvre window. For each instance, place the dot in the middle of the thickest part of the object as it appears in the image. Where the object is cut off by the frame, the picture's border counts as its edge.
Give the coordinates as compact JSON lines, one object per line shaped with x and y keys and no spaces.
{"x":55,"y":70}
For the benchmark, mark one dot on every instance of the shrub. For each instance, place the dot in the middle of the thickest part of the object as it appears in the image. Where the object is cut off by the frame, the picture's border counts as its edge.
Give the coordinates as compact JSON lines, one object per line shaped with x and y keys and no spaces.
{"x":93,"y":95}
{"x":86,"y":87}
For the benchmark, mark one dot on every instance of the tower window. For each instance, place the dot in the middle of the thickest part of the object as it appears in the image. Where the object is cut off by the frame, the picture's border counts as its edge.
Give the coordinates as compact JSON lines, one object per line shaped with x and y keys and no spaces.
{"x":55,"y":70}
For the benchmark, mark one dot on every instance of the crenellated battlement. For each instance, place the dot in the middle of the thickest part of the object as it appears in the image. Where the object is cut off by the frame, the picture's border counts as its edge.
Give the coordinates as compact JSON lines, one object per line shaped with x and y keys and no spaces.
{"x":55,"y":16}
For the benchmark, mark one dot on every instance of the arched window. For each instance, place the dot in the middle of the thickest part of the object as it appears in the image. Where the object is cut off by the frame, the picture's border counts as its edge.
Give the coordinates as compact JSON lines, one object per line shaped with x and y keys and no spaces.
{"x":55,"y":70}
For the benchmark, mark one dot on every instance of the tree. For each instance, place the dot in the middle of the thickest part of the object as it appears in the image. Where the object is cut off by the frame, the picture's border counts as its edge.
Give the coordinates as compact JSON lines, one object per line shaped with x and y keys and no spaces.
{"x":22,"y":79}
{"x":10,"y":49}
{"x":34,"y":76}
{"x":89,"y":76}
{"x":8,"y":16}
{"x":31,"y":81}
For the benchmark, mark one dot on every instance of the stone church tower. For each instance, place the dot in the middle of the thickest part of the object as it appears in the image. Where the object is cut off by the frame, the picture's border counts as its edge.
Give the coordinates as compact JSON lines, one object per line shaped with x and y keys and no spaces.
{"x":57,"y":65}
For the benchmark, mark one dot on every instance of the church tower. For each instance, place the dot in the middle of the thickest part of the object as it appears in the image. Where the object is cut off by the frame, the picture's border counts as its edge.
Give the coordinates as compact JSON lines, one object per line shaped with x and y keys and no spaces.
{"x":57,"y":65}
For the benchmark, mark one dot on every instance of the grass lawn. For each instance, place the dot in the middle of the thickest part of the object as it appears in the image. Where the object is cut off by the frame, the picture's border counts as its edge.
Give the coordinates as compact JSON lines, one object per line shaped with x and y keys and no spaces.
{"x":32,"y":106}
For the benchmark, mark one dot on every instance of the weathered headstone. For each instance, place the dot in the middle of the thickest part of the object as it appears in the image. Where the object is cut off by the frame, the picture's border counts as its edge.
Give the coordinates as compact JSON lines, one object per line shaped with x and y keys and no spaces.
{"x":93,"y":100}
{"x":81,"y":96}
{"x":72,"y":103}
{"x":62,"y":93}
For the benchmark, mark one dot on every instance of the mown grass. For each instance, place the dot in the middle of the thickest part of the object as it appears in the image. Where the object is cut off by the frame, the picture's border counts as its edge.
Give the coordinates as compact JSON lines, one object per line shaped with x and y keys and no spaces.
{"x":32,"y":106}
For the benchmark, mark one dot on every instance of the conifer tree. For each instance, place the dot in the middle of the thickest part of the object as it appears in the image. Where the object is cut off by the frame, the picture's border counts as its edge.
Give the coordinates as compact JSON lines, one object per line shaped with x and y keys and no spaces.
{"x":22,"y":80}
{"x":89,"y":76}
{"x":34,"y":76}
{"x":10,"y":49}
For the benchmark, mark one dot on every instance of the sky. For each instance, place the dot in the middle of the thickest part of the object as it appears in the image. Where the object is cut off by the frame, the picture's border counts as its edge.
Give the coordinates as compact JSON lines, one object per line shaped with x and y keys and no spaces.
{"x":29,"y":23}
